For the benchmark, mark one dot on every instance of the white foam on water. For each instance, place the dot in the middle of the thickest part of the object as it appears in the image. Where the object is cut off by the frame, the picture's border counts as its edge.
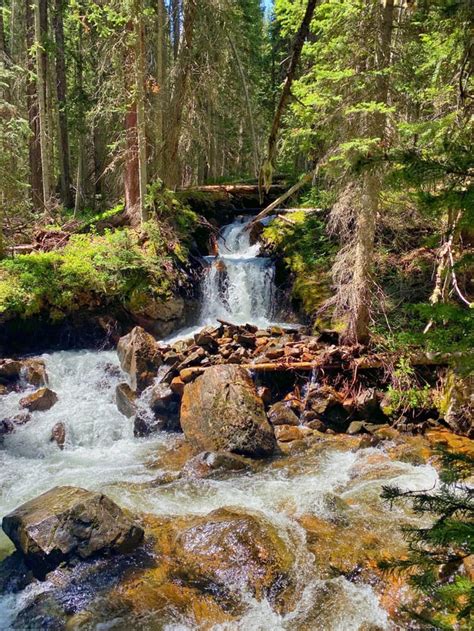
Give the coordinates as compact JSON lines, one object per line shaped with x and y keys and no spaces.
{"x":101,"y":453}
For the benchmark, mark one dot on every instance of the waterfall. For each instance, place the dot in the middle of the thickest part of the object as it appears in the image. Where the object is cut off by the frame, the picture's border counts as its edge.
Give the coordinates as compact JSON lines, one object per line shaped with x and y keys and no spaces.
{"x":239,"y":284}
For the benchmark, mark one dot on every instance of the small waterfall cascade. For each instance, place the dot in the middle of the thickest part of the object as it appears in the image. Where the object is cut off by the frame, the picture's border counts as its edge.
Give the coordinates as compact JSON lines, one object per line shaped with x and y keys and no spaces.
{"x":238,"y":284}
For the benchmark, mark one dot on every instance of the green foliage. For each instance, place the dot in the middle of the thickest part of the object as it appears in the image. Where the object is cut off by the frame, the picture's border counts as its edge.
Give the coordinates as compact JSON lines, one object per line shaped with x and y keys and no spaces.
{"x":436,"y":553}
{"x":90,"y":269}
{"x":306,"y":250}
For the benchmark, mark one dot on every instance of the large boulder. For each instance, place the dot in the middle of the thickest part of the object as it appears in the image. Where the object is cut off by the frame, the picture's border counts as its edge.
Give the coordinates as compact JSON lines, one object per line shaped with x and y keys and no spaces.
{"x":68,"y":522}
{"x":231,"y":551}
{"x":140,"y":357}
{"x":39,"y":401}
{"x":221,"y":411}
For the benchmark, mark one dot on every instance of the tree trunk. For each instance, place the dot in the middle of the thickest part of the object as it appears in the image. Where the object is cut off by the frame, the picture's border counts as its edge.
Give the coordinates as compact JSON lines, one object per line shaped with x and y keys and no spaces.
{"x":61,"y":87}
{"x":248,"y":105}
{"x":175,"y":23}
{"x":79,"y":198}
{"x":41,"y":25}
{"x":141,"y":123}
{"x":368,"y":204}
{"x":34,"y":145}
{"x":301,"y":35}
{"x":183,"y":70}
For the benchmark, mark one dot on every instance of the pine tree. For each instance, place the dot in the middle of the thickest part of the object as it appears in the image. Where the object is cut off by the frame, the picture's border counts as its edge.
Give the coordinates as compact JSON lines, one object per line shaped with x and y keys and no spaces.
{"x":437,"y":563}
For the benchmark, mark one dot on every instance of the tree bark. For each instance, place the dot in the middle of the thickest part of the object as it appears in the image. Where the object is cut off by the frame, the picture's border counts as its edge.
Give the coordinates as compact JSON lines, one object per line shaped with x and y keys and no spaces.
{"x":357,"y":331}
{"x":141,"y":123}
{"x":79,"y":198}
{"x":301,"y":35}
{"x":34,"y":145}
{"x":61,"y":87}
{"x":41,"y":25}
{"x":183,"y":70}
{"x":248,"y":105}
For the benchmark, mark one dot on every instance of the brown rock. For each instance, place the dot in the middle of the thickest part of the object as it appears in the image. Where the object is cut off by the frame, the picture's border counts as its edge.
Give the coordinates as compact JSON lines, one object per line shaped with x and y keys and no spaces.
{"x":68,"y":522}
{"x":210,"y":463}
{"x":41,"y":400}
{"x":281,"y":414}
{"x":7,"y":426}
{"x":289,"y":433}
{"x":188,"y":374}
{"x":275,"y":353}
{"x":221,"y":411}
{"x":10,"y":370}
{"x":58,"y":435}
{"x":125,"y":398}
{"x":193,"y":359}
{"x":140,"y":357}
{"x":34,"y":371}
{"x":177,"y":386}
{"x":232,"y":551}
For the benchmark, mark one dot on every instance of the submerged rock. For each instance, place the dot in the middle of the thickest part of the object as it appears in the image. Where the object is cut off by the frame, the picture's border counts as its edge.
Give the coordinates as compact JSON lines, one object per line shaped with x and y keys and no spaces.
{"x":209,"y":463}
{"x":125,"y":398}
{"x":140,"y":357}
{"x":58,"y":435}
{"x":221,"y":411}
{"x":231,"y":551}
{"x":34,"y":371}
{"x":68,"y":522}
{"x":39,"y":401}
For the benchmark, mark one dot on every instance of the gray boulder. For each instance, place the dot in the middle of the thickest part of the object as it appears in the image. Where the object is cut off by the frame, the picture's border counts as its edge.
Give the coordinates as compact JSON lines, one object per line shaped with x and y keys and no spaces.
{"x":68,"y":522}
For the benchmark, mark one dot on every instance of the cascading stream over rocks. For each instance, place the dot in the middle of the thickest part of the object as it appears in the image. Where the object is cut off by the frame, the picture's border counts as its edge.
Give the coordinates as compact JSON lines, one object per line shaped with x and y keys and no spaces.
{"x":239,"y":284}
{"x":234,"y":539}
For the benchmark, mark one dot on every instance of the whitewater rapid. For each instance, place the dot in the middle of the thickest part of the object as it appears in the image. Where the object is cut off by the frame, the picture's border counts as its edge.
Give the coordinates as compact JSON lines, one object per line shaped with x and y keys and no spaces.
{"x":101,"y":453}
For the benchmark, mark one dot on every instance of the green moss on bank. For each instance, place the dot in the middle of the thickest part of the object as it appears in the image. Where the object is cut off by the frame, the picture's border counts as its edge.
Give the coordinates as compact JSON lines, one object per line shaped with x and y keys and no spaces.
{"x":300,"y":238}
{"x":92,"y":269}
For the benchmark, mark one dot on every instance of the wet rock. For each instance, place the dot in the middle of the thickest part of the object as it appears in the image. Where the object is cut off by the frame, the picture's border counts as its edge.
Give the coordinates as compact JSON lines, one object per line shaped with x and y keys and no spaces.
{"x":221,"y":411}
{"x":208,"y":338}
{"x":165,"y":406}
{"x":145,"y":424}
{"x":188,"y":374}
{"x":193,"y":359}
{"x":281,"y":414}
{"x":7,"y":426}
{"x":245,"y":339}
{"x":39,"y":401}
{"x":356,"y":427}
{"x":275,"y":353}
{"x":177,"y":386}
{"x":3,"y":390}
{"x":125,"y":398}
{"x":210,"y":463}
{"x":140,"y":357}
{"x":68,"y":522}
{"x":58,"y":435}
{"x":22,"y":418}
{"x":34,"y":371}
{"x":10,"y":370}
{"x":289,"y":433}
{"x":229,"y":551}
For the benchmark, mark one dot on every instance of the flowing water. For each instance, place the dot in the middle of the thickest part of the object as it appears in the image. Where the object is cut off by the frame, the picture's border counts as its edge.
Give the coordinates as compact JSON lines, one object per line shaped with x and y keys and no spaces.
{"x":238,"y":285}
{"x":101,"y":453}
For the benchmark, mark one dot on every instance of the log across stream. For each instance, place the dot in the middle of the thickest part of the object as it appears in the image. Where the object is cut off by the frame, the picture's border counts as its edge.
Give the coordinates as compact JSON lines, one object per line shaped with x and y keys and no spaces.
{"x":284,"y":542}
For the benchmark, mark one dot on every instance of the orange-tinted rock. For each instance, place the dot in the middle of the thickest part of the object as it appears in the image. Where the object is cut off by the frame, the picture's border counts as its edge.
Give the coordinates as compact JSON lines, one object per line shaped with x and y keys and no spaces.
{"x":140,"y":357}
{"x":221,"y":411}
{"x":289,"y":433}
{"x":41,"y":400}
{"x":177,"y":386}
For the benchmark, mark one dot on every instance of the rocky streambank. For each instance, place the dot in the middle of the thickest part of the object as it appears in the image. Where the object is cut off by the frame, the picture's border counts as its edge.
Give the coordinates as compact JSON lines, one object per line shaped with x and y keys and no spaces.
{"x":273,"y":441}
